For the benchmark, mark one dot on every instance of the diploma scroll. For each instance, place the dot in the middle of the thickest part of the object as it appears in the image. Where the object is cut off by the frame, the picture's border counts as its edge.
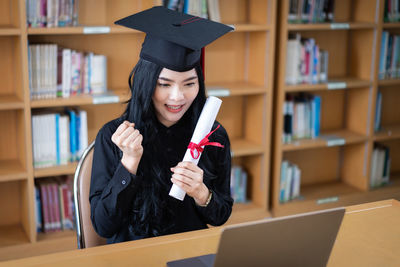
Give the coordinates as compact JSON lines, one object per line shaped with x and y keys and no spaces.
{"x":203,"y":127}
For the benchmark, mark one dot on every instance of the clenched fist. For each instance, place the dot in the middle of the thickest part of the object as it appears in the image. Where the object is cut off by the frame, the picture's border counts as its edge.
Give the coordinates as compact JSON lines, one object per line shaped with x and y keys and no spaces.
{"x":129,"y":140}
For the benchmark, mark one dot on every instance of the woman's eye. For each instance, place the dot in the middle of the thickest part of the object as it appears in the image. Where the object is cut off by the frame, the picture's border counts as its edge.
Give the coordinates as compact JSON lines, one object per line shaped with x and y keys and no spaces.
{"x":163,"y":84}
{"x":189,"y":84}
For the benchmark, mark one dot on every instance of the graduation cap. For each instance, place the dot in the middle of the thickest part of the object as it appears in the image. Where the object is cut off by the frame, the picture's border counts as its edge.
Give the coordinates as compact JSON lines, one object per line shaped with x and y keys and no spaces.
{"x":173,"y":40}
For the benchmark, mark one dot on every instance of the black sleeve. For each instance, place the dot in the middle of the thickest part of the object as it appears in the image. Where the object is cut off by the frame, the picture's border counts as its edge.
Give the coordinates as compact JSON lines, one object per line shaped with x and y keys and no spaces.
{"x":219,"y":209}
{"x":112,"y":187}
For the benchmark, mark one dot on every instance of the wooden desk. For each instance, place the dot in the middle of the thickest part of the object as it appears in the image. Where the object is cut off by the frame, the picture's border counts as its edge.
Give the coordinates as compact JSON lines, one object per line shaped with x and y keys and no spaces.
{"x":369,"y":236}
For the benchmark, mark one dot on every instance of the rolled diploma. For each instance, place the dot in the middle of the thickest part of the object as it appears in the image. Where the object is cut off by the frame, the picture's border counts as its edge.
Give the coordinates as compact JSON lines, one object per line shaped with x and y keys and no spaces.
{"x":203,"y":127}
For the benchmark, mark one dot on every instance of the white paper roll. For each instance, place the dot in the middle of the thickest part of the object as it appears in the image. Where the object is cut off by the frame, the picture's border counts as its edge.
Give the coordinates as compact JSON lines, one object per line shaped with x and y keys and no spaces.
{"x":203,"y":127}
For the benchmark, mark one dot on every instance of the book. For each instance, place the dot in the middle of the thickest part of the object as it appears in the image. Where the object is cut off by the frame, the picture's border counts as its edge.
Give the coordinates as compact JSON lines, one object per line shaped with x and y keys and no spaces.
{"x":323,"y":69}
{"x":68,"y":217}
{"x":316,"y":116}
{"x":38,"y":210}
{"x":213,"y":10}
{"x":383,"y":55}
{"x":55,"y":206}
{"x":288,"y":183}
{"x":50,"y":207}
{"x":98,"y":74}
{"x":66,"y":72}
{"x":378,"y":111}
{"x":283,"y":181}
{"x":83,"y":133}
{"x":61,"y":206}
{"x":293,"y":60}
{"x":64,"y":144}
{"x":296,"y":182}
{"x":386,"y":169}
{"x":45,"y":207}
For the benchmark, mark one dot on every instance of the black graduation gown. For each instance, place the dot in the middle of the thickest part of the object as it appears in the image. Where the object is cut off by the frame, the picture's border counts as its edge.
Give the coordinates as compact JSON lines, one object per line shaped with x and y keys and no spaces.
{"x":113,"y":188}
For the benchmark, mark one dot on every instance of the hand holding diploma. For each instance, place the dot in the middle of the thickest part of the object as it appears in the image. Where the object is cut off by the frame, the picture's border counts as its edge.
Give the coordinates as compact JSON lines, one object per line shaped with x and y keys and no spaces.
{"x":189,"y":177}
{"x":192,"y":183}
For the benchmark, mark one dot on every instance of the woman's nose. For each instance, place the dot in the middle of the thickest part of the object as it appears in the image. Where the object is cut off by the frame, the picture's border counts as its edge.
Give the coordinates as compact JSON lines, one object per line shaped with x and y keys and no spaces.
{"x":176,"y":93}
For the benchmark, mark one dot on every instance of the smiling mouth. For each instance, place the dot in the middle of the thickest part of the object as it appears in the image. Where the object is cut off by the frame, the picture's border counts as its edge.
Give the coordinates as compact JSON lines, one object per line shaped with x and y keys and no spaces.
{"x":174,"y":108}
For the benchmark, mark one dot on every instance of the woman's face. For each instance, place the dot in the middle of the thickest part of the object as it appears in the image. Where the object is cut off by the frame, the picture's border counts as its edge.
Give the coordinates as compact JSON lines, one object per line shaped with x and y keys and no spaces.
{"x":175,"y":92}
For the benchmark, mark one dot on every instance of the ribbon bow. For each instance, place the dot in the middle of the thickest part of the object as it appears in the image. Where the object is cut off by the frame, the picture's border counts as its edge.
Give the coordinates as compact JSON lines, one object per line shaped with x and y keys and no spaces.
{"x":200,"y":146}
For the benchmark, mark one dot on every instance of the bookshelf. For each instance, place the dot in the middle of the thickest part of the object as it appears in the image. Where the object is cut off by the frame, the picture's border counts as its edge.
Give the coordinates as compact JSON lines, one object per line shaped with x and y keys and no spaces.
{"x":239,"y":69}
{"x":337,"y":172}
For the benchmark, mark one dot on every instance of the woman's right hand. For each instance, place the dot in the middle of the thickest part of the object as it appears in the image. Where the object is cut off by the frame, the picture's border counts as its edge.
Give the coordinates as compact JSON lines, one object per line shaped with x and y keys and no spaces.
{"x":129,"y":140}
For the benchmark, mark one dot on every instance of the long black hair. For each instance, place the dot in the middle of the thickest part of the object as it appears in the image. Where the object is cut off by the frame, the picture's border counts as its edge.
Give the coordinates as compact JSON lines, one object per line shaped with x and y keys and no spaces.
{"x":150,"y":205}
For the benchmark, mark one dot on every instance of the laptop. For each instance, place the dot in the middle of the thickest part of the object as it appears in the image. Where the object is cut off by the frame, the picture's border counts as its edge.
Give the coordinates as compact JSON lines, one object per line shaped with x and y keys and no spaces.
{"x":298,"y":240}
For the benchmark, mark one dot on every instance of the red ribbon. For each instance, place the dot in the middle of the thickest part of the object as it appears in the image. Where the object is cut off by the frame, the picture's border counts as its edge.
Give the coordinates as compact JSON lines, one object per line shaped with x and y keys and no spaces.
{"x":200,"y":146}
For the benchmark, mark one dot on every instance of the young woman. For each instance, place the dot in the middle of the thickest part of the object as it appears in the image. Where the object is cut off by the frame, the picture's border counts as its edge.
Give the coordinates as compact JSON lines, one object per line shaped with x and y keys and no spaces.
{"x":137,"y":157}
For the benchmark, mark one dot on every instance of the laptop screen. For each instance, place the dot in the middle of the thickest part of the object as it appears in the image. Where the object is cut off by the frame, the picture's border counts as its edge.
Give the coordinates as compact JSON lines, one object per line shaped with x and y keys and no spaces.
{"x":298,"y":240}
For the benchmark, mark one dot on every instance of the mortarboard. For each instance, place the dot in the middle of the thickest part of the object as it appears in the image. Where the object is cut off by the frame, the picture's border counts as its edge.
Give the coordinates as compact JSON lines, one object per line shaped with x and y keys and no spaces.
{"x":173,"y":40}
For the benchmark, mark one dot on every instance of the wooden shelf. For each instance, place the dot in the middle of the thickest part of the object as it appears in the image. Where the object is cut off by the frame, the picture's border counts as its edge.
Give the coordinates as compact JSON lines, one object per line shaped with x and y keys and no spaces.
{"x":250,"y":27}
{"x":11,"y":235}
{"x":323,"y":192}
{"x":388,"y":133}
{"x":12,"y":170}
{"x":224,"y":89}
{"x":331,"y":26}
{"x":348,"y":136}
{"x":55,"y":171}
{"x":247,"y":53}
{"x":391,"y":25}
{"x":317,"y":196}
{"x":8,"y":30}
{"x":389,"y":82}
{"x":336,"y":194}
{"x":8,"y":102}
{"x":123,"y":30}
{"x":332,"y":84}
{"x":47,"y":243}
{"x":241,"y":147}
{"x":81,"y":30}
{"x":352,"y":51}
{"x":66,"y":234}
{"x":80,"y":100}
{"x":247,"y":212}
{"x":394,"y":184}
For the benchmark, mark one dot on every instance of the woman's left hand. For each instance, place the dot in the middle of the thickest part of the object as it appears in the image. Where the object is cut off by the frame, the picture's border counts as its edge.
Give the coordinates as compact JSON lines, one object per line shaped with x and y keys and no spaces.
{"x":189,"y":177}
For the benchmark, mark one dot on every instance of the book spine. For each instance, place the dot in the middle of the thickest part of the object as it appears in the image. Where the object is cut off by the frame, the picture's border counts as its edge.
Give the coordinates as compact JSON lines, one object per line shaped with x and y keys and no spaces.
{"x":57,"y":128}
{"x":38,"y":210}
{"x":45,"y":208}
{"x":56,"y":207}
{"x":72,"y":133}
{"x":282,"y":187}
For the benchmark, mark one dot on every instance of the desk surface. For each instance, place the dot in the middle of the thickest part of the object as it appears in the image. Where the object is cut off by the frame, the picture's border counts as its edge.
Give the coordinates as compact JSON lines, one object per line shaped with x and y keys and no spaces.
{"x":369,"y":236}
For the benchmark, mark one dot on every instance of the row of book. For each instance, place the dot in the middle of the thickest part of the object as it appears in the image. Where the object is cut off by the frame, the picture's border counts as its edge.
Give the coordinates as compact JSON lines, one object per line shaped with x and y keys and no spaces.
{"x":238,"y":184}
{"x":52,"y":13}
{"x":389,"y":59}
{"x":54,"y":205}
{"x":392,"y":11}
{"x":305,"y":61}
{"x":311,"y":11}
{"x":289,"y":186}
{"x":380,"y":166}
{"x":208,"y":9}
{"x":378,"y":112}
{"x":55,"y":71}
{"x":302,"y":117}
{"x":59,"y":138}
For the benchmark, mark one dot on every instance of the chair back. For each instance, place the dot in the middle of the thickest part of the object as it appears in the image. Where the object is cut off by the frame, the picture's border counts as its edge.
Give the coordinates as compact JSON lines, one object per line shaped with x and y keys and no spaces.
{"x":87,"y":236}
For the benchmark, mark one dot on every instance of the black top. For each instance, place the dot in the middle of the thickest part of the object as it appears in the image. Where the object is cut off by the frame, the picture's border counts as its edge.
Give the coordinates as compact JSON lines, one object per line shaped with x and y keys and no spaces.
{"x":173,"y":40}
{"x":113,"y":189}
